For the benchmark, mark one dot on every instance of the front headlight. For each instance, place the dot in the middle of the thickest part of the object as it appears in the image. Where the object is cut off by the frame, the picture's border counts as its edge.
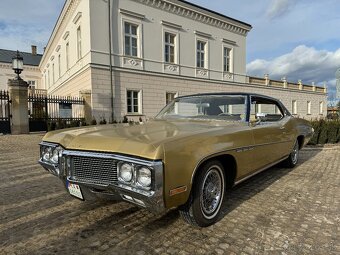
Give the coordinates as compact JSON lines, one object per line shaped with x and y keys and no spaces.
{"x":126,"y":172}
{"x":47,"y":154}
{"x":57,"y":153}
{"x":50,"y":154}
{"x":144,"y":177}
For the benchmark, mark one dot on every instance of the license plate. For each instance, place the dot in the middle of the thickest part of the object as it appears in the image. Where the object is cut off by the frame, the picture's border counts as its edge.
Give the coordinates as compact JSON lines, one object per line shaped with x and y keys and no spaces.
{"x":74,"y":190}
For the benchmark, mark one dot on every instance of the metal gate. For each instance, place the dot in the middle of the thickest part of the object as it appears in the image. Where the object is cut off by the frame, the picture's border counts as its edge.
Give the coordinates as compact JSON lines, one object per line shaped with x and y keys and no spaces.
{"x":53,"y":110}
{"x":5,"y":115}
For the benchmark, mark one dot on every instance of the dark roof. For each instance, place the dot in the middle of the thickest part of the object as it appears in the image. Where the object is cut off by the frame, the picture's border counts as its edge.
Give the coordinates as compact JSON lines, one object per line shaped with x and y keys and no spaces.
{"x":29,"y":59}
{"x":214,"y":12}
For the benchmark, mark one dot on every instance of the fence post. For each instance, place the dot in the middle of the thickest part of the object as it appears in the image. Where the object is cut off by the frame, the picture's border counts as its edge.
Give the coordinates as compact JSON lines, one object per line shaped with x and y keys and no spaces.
{"x":18,"y":90}
{"x":86,"y":94}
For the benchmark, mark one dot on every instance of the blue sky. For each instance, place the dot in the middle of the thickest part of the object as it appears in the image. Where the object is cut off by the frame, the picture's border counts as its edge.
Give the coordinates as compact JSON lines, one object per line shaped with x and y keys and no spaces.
{"x":299,"y":39}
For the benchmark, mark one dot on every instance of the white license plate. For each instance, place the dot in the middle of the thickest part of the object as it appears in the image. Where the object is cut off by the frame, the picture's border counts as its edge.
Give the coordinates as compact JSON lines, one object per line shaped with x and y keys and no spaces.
{"x":74,"y":190}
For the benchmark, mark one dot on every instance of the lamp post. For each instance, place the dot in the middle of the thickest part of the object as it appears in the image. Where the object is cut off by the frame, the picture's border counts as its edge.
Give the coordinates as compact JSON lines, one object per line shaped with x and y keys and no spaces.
{"x":18,"y":64}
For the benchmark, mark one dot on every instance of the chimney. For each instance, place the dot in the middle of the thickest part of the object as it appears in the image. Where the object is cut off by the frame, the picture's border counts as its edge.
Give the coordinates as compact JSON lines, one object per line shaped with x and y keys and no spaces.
{"x":34,"y":50}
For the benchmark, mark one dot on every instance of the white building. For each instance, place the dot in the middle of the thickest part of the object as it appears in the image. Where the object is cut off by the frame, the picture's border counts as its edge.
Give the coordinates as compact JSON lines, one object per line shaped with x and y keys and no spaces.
{"x":159,"y":49}
{"x":31,"y":73}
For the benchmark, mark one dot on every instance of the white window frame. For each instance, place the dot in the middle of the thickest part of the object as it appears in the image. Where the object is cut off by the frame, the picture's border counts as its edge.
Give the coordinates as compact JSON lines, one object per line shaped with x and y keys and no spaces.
{"x":53,"y":74}
{"x":79,"y":42}
{"x":137,"y":36}
{"x":174,"y":45}
{"x":49,"y":78}
{"x":294,"y":107}
{"x":309,"y":107}
{"x":67,"y":53}
{"x":139,"y":98}
{"x":321,"y":107}
{"x":229,"y":59}
{"x":175,"y":94}
{"x":59,"y":66}
{"x":205,"y":51}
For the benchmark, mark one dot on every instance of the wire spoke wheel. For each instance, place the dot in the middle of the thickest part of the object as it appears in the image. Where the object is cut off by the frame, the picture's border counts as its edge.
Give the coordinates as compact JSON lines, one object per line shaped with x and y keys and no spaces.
{"x":295,"y":153}
{"x":211,"y":192}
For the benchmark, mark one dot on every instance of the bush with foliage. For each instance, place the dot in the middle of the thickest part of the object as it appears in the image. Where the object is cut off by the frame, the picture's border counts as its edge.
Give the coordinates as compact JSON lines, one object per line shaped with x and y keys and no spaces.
{"x":325,"y":131}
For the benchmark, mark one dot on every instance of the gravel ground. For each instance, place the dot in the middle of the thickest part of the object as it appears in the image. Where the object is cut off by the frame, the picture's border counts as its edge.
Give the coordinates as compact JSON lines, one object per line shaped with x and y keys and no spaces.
{"x":280,"y":211}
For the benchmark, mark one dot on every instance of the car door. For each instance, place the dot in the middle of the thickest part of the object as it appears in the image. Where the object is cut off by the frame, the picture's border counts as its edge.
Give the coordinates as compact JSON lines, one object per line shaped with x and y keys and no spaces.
{"x":269,"y":131}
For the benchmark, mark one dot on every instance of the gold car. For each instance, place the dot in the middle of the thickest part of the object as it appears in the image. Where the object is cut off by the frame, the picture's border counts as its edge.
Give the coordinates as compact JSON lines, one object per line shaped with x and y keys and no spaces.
{"x":187,"y":157}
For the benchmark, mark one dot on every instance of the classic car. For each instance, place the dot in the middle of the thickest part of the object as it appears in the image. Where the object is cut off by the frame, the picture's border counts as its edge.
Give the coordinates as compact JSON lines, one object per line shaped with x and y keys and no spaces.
{"x":187,"y":157}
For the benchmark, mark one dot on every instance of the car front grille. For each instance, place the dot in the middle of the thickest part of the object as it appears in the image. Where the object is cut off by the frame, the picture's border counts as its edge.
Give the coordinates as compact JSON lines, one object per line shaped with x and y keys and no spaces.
{"x":94,"y":170}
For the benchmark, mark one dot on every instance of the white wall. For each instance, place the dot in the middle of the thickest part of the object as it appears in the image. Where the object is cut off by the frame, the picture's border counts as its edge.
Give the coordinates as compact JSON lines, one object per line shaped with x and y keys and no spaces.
{"x":30,"y":73}
{"x":76,"y":14}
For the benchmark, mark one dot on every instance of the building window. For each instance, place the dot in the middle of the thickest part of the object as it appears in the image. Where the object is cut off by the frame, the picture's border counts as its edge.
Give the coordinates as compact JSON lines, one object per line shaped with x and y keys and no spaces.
{"x":294,"y":107}
{"x":49,"y":78}
{"x":59,"y":66}
{"x":53,"y":78}
{"x":67,"y":56}
{"x":169,"y":54}
{"x":321,"y":108}
{"x":31,"y":84}
{"x":309,"y":106}
{"x":226,"y":59}
{"x":169,"y":97}
{"x":201,"y":54}
{"x":79,"y":42}
{"x":133,"y":102}
{"x":131,"y":39}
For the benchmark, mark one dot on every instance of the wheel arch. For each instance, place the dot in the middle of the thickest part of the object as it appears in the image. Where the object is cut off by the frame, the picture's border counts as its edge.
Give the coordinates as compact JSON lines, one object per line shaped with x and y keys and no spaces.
{"x":229,"y":166}
{"x":301,"y":141}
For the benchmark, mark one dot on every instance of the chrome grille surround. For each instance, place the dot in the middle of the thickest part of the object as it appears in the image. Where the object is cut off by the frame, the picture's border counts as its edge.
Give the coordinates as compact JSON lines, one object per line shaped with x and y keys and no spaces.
{"x":94,"y":170}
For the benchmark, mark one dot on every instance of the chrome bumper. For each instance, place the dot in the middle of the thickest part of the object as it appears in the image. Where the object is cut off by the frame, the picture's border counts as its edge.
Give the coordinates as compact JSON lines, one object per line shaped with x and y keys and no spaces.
{"x":152,"y":200}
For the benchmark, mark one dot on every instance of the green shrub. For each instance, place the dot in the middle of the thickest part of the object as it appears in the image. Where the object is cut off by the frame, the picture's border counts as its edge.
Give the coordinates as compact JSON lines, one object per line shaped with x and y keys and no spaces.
{"x":325,"y":131}
{"x":125,"y":120}
{"x":102,"y":122}
{"x":52,"y":126}
{"x":317,"y":128}
{"x":333,"y":130}
{"x":94,"y":122}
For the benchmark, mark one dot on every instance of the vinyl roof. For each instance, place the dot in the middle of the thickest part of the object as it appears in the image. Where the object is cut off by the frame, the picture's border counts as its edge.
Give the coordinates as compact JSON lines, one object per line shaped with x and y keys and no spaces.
{"x":29,"y":59}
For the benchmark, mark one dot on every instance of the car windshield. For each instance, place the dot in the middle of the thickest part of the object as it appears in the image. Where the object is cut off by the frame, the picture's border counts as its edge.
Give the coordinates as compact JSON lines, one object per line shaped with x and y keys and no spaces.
{"x":217,"y":107}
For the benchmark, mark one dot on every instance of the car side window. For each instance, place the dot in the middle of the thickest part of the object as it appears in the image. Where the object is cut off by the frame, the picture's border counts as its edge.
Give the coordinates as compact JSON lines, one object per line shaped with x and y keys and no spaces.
{"x":265,"y":110}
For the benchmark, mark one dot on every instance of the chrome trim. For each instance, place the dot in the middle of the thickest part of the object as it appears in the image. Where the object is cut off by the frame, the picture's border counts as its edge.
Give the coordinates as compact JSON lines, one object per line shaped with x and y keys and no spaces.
{"x":152,"y":198}
{"x":260,"y":170}
{"x":237,"y":150}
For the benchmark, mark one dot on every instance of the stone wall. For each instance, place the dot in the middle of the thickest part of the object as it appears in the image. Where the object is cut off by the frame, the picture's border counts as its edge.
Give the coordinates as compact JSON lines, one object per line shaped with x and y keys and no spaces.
{"x":153,"y":88}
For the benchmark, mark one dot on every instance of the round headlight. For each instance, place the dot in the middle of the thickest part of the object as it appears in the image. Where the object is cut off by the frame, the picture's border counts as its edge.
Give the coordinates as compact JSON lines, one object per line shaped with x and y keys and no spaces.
{"x":47,"y":154}
{"x":126,"y":172}
{"x":55,"y":156}
{"x":144,"y":177}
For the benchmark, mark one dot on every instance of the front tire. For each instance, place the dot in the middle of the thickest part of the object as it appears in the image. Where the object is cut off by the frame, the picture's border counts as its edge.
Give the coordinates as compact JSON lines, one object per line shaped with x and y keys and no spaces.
{"x":293,"y":158}
{"x":204,"y":205}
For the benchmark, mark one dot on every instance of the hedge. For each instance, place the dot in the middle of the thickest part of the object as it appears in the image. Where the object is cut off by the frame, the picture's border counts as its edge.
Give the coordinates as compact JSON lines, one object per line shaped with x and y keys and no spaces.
{"x":325,"y":131}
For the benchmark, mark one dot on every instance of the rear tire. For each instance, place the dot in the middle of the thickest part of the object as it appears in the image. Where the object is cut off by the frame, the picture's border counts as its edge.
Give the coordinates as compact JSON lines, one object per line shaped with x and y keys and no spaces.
{"x":203,"y":208}
{"x":293,"y":158}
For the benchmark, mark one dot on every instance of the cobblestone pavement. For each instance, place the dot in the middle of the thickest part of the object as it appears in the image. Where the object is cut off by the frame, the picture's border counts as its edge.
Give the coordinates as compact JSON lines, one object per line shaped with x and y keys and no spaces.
{"x":279,"y":211}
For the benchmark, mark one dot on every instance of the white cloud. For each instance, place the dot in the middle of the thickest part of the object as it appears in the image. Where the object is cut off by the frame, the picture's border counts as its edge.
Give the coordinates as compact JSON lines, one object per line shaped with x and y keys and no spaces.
{"x":27,"y":22}
{"x":305,"y":63}
{"x":279,"y":8}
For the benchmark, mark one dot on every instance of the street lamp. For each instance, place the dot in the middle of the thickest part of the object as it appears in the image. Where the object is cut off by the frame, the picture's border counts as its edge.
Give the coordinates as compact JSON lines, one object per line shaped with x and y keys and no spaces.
{"x":18,"y":64}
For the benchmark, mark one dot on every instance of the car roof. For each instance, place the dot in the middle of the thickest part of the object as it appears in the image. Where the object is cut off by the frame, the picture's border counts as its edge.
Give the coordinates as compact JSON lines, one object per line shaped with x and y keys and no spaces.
{"x":230,"y":93}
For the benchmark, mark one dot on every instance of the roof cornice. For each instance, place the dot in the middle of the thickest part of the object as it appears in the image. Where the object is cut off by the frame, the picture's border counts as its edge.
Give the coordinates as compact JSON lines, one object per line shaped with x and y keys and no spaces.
{"x":203,"y":15}
{"x":67,"y":11}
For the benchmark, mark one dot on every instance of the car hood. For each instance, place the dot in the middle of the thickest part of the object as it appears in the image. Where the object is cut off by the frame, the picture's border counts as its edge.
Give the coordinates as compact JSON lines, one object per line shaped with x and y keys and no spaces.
{"x":143,"y":140}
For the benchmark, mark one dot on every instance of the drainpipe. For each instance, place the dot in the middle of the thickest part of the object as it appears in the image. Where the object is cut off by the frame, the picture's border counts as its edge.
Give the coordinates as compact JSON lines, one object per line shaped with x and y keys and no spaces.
{"x":110,"y":53}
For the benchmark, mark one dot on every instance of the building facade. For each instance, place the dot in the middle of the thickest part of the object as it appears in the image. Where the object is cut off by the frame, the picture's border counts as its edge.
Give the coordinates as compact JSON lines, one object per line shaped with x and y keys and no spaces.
{"x":31,"y":73}
{"x":131,"y":57}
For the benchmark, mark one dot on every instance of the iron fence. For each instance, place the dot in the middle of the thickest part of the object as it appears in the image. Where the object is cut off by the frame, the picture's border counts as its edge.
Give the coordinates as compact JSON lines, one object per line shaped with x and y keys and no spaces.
{"x":45,"y":112}
{"x":5,"y":115}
